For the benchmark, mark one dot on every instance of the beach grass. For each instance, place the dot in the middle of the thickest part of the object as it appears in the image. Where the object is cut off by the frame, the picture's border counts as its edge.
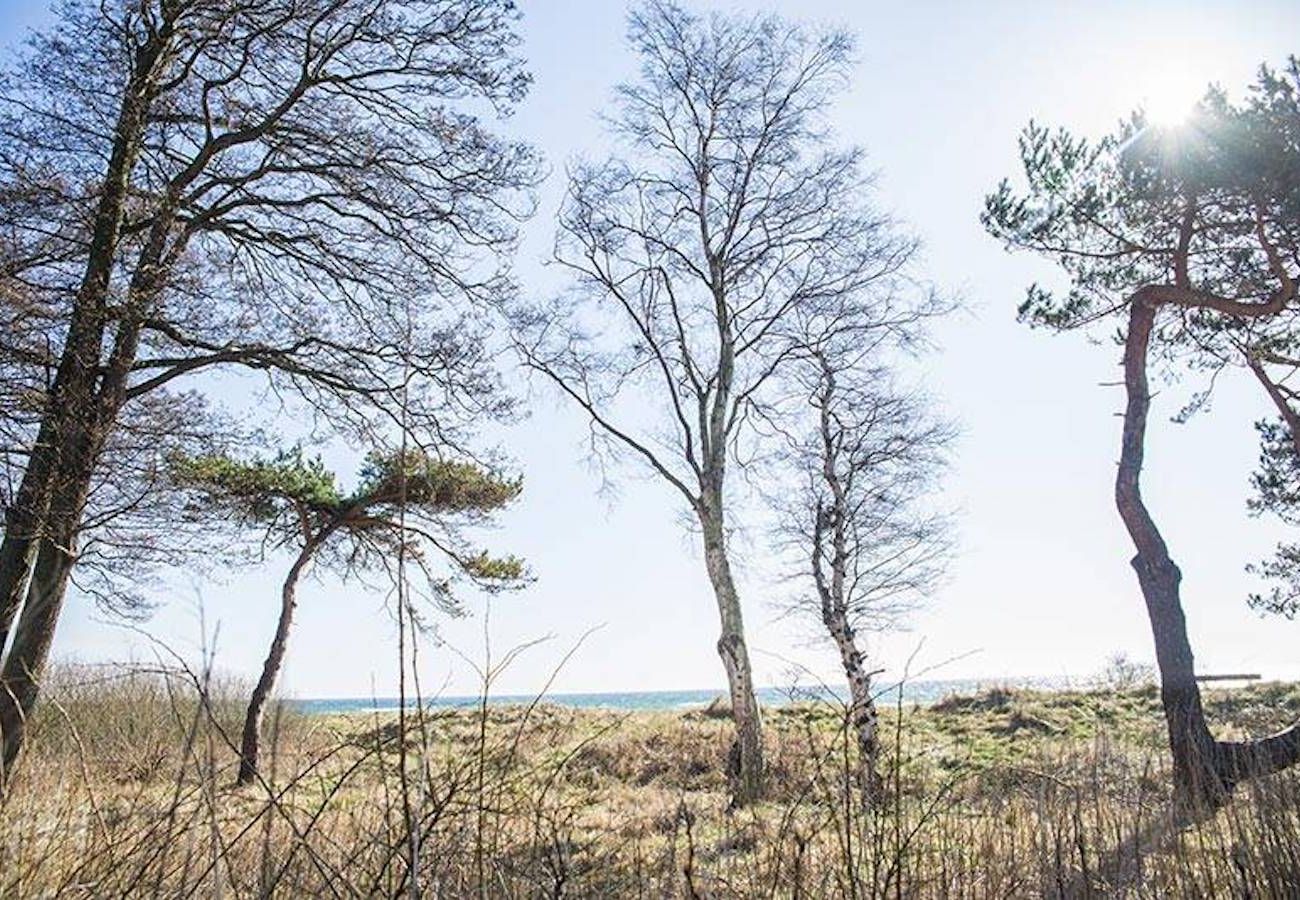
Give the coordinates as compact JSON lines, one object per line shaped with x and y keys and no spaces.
{"x":127,"y":790}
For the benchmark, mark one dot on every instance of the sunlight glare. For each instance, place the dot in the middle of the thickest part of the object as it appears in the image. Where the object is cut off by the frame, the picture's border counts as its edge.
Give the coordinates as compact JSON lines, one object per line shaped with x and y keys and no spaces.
{"x":1171,"y":96}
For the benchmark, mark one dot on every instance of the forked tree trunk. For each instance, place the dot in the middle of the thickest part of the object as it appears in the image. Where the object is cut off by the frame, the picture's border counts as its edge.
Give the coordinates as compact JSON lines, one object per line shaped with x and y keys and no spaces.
{"x":746,"y":764}
{"x":1205,"y":769}
{"x":89,"y":404}
{"x":38,"y":549}
{"x":80,"y":441}
{"x":250,"y":741}
{"x":61,"y":462}
{"x":862,"y":706}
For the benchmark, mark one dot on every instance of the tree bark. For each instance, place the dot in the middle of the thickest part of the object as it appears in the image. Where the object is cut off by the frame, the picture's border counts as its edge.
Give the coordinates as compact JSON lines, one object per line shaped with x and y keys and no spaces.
{"x":81,"y":440}
{"x":832,"y":592}
{"x":746,"y":769}
{"x":862,"y":706}
{"x":1190,"y":742}
{"x":38,"y":549}
{"x":250,"y":741}
{"x":72,"y":392}
{"x":25,"y":663}
{"x":17,"y":555}
{"x":1205,"y":770}
{"x":23,"y":521}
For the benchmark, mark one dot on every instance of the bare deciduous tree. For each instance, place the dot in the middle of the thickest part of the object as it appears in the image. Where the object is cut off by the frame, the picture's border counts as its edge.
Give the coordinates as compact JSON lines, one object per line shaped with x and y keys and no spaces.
{"x":731,"y":220}
{"x":862,"y":526}
{"x":299,"y":188}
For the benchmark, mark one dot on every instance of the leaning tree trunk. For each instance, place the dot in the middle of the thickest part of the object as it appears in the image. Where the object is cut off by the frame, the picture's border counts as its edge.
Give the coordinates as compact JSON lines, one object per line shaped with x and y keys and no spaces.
{"x":1205,"y":770}
{"x":72,"y":393}
{"x":250,"y":741}
{"x":24,"y":664}
{"x":52,"y":465}
{"x":88,"y":404}
{"x":862,"y":706}
{"x":23,"y":522}
{"x":746,"y":763}
{"x":17,"y":555}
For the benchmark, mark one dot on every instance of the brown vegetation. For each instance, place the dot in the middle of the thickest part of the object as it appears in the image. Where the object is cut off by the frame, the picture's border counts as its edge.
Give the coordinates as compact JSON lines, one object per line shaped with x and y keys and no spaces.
{"x":1008,"y":793}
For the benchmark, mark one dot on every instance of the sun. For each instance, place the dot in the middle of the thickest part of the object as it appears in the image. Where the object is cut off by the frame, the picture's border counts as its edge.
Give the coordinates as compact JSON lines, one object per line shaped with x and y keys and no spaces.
{"x":1170,"y":97}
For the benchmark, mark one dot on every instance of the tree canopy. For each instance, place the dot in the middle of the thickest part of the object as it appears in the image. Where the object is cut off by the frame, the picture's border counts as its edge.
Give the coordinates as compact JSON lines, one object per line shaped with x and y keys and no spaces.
{"x":308,"y":190}
{"x":403,"y":499}
{"x":1206,"y":217}
{"x":1187,"y":235}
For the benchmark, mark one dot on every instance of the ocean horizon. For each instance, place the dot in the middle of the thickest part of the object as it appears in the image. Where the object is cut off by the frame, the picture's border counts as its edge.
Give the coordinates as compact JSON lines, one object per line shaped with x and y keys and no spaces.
{"x":921,"y":692}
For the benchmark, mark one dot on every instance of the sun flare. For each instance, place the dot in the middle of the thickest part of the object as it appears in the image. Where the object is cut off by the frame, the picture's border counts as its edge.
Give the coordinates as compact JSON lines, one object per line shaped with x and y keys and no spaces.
{"x":1170,"y":97}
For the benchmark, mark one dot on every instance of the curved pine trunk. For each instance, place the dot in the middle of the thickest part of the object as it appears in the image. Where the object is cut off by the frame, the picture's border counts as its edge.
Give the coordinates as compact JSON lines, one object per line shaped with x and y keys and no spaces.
{"x":746,"y":767}
{"x":250,"y":740}
{"x":1205,"y":769}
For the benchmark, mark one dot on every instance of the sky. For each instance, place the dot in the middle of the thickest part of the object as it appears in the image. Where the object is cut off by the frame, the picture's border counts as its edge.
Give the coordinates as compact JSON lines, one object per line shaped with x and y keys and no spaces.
{"x":1041,"y":585}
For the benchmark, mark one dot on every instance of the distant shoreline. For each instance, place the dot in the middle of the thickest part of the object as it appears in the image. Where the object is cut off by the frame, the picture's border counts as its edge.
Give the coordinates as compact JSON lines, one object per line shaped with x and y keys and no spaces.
{"x":922,"y":691}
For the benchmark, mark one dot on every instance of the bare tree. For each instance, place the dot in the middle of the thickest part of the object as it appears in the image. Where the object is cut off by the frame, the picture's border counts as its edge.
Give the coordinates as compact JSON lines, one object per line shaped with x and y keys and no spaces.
{"x":406,"y":504}
{"x":132,"y":524}
{"x":732,"y":218}
{"x":299,"y":188}
{"x":1189,"y":237}
{"x":863,"y":526}
{"x":134,"y":528}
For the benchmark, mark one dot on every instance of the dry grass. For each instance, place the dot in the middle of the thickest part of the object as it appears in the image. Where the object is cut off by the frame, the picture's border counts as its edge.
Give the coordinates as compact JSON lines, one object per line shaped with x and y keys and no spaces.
{"x":126,"y":791}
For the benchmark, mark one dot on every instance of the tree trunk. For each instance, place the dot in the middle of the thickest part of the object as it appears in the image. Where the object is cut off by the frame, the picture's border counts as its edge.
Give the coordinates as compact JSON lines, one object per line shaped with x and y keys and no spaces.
{"x":1196,"y":781}
{"x":23,"y":521}
{"x":38,"y":549}
{"x":862,"y":706}
{"x":25,"y":663}
{"x":17,"y":556}
{"x":250,"y":742}
{"x":71,"y":397}
{"x":80,"y":444}
{"x":72,"y":392}
{"x":746,"y":768}
{"x":1205,"y":770}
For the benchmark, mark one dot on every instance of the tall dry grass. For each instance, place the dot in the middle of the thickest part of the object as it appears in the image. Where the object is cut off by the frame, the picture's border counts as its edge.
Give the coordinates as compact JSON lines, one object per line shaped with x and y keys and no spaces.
{"x":127,"y":791}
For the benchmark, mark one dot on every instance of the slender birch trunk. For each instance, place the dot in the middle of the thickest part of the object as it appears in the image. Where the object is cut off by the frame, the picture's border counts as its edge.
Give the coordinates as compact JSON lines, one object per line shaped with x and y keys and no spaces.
{"x":863,"y":716}
{"x":746,"y":764}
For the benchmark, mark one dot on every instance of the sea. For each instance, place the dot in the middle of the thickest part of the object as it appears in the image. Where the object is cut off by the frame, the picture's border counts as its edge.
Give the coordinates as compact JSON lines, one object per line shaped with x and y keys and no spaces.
{"x":918,"y":692}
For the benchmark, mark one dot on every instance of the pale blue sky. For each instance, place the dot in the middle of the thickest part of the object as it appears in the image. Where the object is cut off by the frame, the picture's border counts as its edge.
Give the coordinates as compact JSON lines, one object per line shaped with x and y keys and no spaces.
{"x":1042,"y":584}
